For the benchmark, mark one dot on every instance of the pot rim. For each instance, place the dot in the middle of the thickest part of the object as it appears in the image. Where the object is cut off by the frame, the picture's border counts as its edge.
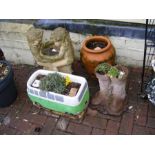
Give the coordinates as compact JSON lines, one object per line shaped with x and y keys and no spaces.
{"x":96,"y":38}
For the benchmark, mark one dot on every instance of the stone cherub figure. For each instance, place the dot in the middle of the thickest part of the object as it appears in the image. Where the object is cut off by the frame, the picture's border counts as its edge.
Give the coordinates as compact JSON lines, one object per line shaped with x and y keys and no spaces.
{"x":52,"y":49}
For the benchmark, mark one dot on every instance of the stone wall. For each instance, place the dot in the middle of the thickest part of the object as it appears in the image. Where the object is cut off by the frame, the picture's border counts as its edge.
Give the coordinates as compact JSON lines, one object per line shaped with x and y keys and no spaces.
{"x":14,"y":43}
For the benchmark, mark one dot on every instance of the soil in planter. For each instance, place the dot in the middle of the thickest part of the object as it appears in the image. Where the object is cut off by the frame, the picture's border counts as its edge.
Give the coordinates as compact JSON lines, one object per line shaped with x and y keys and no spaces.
{"x":70,"y":86}
{"x":96,"y":44}
{"x":50,"y":51}
{"x":39,"y":77}
{"x":3,"y":71}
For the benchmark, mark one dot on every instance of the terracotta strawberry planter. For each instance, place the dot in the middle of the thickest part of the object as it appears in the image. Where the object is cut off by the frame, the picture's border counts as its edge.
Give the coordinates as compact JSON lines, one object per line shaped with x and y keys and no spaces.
{"x":96,"y":49}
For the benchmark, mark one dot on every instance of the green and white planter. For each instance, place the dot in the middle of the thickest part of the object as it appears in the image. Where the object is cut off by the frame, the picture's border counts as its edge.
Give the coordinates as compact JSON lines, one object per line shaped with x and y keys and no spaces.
{"x":58,"y":102}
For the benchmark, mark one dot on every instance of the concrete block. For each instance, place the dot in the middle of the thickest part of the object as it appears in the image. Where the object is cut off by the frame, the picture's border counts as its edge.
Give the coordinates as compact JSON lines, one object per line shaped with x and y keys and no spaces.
{"x":14,"y":27}
{"x":75,"y":37}
{"x":18,"y":56}
{"x":13,"y":36}
{"x":122,"y":42}
{"x":131,"y":54}
{"x":128,"y":61}
{"x":14,"y":44}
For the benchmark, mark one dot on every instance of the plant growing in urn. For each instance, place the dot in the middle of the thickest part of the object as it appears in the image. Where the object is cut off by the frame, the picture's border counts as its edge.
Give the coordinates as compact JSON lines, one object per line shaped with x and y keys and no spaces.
{"x":112,"y":94}
{"x":58,"y":91}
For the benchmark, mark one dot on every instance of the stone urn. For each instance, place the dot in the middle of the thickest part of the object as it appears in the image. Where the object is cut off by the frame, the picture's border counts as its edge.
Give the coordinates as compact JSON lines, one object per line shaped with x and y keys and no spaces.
{"x":96,"y":49}
{"x":112,"y":94}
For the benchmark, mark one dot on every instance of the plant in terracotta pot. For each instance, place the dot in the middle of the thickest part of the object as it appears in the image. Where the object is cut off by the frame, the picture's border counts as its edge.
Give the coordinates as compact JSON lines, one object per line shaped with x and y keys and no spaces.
{"x":95,"y":50}
{"x":57,"y":91}
{"x":112,"y":92}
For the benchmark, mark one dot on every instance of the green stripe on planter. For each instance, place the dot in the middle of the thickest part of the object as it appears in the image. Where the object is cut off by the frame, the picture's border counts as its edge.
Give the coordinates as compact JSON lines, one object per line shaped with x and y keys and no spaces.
{"x":56,"y":106}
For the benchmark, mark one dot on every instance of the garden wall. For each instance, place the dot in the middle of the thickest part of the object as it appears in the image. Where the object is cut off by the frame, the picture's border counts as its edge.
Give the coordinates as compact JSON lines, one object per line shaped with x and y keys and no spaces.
{"x":129,"y":46}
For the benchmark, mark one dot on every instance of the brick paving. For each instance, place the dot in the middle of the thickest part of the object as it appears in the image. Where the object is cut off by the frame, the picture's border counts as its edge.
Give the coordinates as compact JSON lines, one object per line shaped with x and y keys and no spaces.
{"x":22,"y":117}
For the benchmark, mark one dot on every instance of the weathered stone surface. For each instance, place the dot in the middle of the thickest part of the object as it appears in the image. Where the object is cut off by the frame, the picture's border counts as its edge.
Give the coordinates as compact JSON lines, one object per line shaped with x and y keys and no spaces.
{"x":112,"y":128}
{"x":62,"y":123}
{"x":45,"y":40}
{"x":49,"y":126}
{"x":127,"y":123}
{"x":79,"y":129}
{"x":96,"y":131}
{"x":96,"y":122}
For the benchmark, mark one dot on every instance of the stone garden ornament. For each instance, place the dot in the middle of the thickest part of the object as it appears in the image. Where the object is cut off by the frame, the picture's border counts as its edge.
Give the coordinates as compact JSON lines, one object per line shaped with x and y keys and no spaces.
{"x":52,"y":49}
{"x":112,"y":93}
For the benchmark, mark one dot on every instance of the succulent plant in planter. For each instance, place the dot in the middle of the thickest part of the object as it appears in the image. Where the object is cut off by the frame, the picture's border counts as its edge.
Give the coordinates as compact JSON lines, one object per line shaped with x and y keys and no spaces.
{"x":113,"y":72}
{"x":103,"y":68}
{"x":54,"y":83}
{"x":57,"y":91}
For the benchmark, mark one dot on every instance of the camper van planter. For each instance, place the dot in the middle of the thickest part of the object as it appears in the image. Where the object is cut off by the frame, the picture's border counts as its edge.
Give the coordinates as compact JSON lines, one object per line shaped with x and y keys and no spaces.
{"x":8,"y":92}
{"x":57,"y":91}
{"x":112,"y":81}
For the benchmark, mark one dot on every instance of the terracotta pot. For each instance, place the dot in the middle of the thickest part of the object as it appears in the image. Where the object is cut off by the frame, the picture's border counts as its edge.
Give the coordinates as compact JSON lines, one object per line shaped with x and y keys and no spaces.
{"x":91,"y":58}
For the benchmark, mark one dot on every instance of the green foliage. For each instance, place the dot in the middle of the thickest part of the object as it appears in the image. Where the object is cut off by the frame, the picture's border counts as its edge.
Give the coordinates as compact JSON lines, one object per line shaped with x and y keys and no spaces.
{"x":54,"y":83}
{"x":103,"y":68}
{"x":113,"y":72}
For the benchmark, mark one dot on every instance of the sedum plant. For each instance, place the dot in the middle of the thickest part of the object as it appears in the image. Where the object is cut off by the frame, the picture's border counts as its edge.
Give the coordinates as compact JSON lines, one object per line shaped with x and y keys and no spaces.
{"x":53,"y":82}
{"x":113,"y":72}
{"x":103,"y":68}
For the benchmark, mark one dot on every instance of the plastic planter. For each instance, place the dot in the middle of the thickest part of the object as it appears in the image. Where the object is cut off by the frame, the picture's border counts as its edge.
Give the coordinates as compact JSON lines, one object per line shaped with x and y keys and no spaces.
{"x":58,"y":102}
{"x":8,"y":92}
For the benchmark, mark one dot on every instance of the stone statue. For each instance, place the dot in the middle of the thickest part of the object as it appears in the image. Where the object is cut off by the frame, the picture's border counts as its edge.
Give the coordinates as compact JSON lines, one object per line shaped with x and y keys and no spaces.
{"x":52,"y":49}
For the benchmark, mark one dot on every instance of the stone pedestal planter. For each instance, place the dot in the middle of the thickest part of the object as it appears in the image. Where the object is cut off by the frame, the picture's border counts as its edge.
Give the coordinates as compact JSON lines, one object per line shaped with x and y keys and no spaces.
{"x":112,"y":92}
{"x":118,"y":96}
{"x":58,"y":102}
